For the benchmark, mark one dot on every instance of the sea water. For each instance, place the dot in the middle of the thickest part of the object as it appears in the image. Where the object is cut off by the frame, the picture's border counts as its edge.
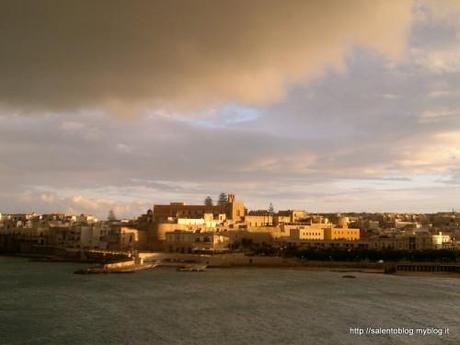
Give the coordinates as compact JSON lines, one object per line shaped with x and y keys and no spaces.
{"x":45,"y":303}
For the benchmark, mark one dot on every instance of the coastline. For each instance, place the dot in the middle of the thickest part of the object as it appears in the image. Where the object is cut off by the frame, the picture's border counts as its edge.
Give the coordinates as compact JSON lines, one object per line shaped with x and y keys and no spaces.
{"x":238,"y":260}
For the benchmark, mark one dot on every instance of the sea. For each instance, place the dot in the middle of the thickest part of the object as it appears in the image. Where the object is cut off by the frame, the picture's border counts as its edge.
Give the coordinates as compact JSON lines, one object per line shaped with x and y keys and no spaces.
{"x":45,"y":303}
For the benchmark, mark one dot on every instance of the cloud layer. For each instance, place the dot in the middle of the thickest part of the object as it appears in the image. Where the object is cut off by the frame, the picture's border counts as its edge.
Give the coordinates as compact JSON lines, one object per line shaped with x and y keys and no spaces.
{"x":327,"y":106}
{"x":129,"y":55}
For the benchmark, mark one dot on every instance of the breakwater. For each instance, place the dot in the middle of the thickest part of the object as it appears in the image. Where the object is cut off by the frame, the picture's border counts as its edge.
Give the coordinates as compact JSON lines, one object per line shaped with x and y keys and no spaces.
{"x":422,"y":267}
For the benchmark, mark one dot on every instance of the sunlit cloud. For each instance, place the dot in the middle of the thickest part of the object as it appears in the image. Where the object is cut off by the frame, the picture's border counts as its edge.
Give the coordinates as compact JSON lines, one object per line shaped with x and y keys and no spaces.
{"x":182,"y":55}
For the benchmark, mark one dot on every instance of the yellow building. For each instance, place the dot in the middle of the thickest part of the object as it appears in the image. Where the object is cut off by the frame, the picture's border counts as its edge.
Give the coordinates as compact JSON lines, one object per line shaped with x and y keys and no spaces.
{"x":441,"y":241}
{"x":207,"y":221}
{"x":308,"y":233}
{"x":289,"y":217}
{"x":234,"y":210}
{"x":192,"y":242}
{"x":322,"y":231}
{"x":255,"y":220}
{"x":346,"y":234}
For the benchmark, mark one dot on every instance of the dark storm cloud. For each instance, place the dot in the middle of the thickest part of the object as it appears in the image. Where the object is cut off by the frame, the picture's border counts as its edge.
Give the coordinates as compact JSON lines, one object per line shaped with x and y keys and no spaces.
{"x":127,"y":55}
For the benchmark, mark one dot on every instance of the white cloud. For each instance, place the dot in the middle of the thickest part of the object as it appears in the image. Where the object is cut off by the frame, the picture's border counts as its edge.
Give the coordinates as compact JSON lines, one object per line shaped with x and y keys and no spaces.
{"x":438,"y":153}
{"x":444,"y":93}
{"x":436,"y":115}
{"x":123,"y":148}
{"x":439,"y":61}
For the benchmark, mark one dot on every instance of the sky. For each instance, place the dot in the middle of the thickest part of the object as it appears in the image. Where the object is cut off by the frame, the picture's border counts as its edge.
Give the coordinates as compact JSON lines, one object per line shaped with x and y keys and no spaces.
{"x":327,"y":106}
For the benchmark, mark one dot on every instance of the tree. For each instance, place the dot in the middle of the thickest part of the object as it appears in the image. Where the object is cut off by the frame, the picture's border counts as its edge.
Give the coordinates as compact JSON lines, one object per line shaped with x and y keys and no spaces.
{"x":208,"y":201}
{"x":222,"y":199}
{"x":111,"y":217}
{"x":271,"y":209}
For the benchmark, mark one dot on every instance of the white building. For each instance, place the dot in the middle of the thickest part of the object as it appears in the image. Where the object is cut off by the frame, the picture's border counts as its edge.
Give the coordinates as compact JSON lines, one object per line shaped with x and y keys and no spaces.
{"x":441,"y":241}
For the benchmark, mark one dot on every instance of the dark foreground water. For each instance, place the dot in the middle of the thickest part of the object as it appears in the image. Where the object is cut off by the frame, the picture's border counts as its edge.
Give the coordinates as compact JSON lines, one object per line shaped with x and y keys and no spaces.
{"x":44,"y":303}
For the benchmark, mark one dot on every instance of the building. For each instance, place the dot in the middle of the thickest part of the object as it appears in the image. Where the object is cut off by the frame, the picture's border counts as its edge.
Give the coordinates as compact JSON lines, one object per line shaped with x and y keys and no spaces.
{"x":258,"y":218}
{"x":411,"y":241}
{"x":88,"y":219}
{"x":323,"y":231}
{"x":327,"y":244}
{"x":308,"y":233}
{"x":345,"y":233}
{"x":290,"y":217}
{"x":233,"y":210}
{"x":407,"y":224}
{"x":442,"y":241}
{"x":196,"y":242}
{"x":207,"y":221}
{"x":194,"y":218}
{"x":132,"y":239}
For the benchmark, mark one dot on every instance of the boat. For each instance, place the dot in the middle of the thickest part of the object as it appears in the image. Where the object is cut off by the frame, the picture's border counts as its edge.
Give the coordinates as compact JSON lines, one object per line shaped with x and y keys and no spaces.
{"x":193,"y":268}
{"x":125,"y":269}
